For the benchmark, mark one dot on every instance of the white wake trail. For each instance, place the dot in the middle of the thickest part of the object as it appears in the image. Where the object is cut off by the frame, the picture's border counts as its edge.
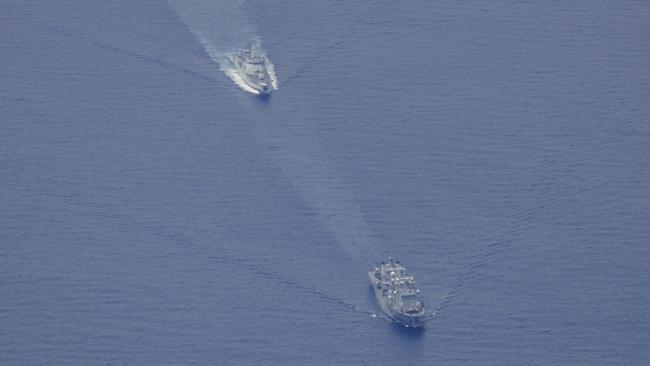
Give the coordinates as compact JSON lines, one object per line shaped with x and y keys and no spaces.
{"x":223,"y":30}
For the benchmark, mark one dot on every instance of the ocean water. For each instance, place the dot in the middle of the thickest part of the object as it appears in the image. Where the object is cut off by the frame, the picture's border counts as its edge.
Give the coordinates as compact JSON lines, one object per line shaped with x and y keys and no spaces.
{"x":154,"y":213}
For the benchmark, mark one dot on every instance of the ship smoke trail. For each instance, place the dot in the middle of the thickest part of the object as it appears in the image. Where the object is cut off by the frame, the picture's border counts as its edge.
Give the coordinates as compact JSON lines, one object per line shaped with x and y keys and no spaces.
{"x":223,"y":30}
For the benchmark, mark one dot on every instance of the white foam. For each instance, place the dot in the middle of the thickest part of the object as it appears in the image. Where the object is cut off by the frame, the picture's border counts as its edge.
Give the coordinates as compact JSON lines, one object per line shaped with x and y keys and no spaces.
{"x":223,"y":37}
{"x":223,"y":29}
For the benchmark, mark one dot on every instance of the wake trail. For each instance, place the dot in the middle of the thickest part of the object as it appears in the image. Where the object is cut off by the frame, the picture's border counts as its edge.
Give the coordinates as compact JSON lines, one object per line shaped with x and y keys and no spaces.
{"x":223,"y":30}
{"x":158,"y":227}
{"x":293,"y":145}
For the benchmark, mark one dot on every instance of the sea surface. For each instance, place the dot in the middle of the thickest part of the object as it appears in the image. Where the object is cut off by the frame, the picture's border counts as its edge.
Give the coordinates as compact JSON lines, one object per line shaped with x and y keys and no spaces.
{"x":152,"y":212}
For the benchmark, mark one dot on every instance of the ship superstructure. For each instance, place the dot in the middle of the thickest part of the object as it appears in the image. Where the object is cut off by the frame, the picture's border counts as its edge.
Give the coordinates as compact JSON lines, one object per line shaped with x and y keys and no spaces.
{"x":255,"y":69}
{"x":397,"y":294}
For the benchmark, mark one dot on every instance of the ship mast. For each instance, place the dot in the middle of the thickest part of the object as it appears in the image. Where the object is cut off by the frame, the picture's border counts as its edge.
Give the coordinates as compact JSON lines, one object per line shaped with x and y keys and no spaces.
{"x":253,"y":49}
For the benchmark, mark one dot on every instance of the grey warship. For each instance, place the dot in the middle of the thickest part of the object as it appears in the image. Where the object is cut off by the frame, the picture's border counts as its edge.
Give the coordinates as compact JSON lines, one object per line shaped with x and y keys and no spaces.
{"x":254,"y":69}
{"x":397,"y":294}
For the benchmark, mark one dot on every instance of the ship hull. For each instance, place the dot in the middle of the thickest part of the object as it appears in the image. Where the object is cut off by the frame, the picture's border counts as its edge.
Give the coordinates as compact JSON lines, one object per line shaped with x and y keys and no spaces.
{"x":261,"y":89}
{"x":250,"y":82}
{"x":407,"y":320}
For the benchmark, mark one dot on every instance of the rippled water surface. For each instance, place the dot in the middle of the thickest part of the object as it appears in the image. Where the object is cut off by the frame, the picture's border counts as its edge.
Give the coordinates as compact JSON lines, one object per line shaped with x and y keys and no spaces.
{"x":152,"y":212}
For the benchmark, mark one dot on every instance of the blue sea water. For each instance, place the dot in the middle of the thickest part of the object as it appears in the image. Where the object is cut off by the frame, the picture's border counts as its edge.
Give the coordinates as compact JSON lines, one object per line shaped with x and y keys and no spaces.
{"x":153,"y":213}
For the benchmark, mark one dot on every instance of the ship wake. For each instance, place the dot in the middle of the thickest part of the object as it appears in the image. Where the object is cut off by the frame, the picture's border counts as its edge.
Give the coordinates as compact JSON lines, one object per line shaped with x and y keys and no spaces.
{"x":224,"y":37}
{"x":292,"y":143}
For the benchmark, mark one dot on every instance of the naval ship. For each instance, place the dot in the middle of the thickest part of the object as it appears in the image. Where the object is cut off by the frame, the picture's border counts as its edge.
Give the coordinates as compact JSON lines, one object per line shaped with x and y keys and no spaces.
{"x":397,"y":294}
{"x":253,"y":68}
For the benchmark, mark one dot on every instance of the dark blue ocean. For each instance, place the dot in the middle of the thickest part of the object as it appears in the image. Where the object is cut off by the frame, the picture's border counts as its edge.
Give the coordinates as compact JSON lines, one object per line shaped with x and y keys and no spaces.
{"x":154,"y":213}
